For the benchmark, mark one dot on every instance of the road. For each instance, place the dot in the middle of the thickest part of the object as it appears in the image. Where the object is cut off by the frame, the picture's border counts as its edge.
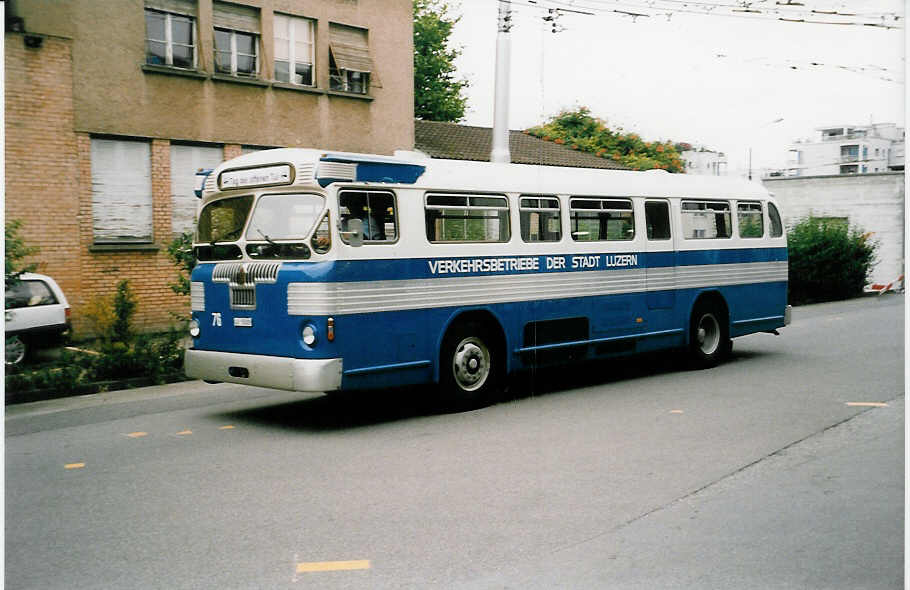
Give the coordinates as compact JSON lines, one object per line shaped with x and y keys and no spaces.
{"x":760,"y":473}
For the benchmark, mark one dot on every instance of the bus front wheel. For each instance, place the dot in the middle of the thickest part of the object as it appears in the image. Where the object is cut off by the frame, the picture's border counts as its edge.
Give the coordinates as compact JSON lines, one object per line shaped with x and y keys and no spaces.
{"x":471,"y":369}
{"x":709,"y":336}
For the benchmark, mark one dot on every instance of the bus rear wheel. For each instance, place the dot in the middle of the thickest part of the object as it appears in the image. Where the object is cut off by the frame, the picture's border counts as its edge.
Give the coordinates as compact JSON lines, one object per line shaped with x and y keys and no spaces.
{"x":709,"y":336}
{"x":470,"y":369}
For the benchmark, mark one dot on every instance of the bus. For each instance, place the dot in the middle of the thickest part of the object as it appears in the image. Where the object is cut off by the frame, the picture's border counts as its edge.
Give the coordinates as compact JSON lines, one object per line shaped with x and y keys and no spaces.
{"x":323,"y":271}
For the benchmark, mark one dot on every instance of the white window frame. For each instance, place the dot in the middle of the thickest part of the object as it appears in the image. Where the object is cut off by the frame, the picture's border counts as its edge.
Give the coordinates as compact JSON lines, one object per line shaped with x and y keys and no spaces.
{"x":169,"y":38}
{"x":234,"y":53}
{"x":293,"y":58}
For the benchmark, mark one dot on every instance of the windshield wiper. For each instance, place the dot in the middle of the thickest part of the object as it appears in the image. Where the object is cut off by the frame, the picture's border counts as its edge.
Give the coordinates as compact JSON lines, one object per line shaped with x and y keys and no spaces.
{"x":267,"y":239}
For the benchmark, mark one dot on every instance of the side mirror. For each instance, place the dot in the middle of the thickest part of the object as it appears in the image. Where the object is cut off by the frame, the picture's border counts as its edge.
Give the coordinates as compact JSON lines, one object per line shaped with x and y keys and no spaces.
{"x":354,"y":235}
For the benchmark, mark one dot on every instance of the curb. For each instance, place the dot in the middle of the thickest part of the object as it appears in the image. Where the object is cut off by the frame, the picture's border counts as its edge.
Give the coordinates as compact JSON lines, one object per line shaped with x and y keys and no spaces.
{"x":37,"y":395}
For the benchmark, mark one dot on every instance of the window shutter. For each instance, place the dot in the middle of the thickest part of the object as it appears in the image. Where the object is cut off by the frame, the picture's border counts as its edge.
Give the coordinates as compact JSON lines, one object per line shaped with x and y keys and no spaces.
{"x":185,"y":161}
{"x":185,"y":7}
{"x":235,"y":17}
{"x":350,"y":48}
{"x":121,"y":191}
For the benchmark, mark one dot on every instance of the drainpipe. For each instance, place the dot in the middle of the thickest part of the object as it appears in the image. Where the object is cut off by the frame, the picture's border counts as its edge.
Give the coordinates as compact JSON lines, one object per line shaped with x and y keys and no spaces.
{"x":500,"y":151}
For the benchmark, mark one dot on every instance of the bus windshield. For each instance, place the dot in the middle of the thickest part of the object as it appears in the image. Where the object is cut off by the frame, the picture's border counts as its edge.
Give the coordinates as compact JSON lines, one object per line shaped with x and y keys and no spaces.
{"x":223,"y":221}
{"x":284,"y":217}
{"x":277,"y":227}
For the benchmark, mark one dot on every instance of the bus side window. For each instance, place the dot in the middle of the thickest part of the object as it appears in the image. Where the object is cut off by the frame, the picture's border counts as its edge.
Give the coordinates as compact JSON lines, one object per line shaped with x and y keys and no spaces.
{"x":540,"y":219}
{"x":322,"y":237}
{"x":750,"y":218}
{"x":375,"y":210}
{"x":596,"y":219}
{"x":467,"y":218}
{"x":706,"y":219}
{"x":777,"y":228}
{"x":657,"y":217}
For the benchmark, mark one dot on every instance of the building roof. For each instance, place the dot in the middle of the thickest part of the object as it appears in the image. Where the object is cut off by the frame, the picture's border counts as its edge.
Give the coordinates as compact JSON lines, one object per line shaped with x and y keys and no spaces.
{"x":465,"y":142}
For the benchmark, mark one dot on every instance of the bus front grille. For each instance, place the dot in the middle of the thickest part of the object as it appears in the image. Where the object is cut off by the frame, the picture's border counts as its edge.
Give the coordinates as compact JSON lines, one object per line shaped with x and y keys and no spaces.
{"x":243,"y":297}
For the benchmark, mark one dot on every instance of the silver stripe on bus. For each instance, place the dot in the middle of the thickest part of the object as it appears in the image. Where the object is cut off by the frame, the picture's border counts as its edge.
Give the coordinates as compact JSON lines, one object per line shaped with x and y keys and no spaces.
{"x":340,"y":298}
{"x":197,"y":296}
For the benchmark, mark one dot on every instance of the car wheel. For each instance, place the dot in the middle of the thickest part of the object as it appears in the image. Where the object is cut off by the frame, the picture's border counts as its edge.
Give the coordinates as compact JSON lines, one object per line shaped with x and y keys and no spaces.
{"x":16,"y":350}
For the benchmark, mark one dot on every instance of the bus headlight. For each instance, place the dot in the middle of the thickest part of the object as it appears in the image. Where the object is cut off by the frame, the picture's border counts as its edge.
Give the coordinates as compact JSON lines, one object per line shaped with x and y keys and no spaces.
{"x":309,"y":335}
{"x":194,"y":328}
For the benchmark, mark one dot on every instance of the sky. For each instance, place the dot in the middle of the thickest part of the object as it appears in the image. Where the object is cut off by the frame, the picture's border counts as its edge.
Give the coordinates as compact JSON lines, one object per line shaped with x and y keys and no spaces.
{"x":723,"y":83}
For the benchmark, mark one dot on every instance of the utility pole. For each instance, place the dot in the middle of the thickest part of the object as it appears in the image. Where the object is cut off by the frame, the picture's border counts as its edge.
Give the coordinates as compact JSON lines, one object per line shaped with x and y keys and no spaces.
{"x":500,"y":151}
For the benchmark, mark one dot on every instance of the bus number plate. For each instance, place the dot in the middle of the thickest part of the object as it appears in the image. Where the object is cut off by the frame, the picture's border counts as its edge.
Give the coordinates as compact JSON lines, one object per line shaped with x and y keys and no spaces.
{"x":243,"y":322}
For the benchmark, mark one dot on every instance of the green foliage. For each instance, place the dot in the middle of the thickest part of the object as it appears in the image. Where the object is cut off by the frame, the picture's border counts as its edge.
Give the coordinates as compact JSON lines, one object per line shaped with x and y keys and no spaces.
{"x":124,"y":310}
{"x":828,"y":260}
{"x":578,"y":129}
{"x":16,"y":252}
{"x":438,"y":95}
{"x":180,"y":251}
{"x":155,"y":358}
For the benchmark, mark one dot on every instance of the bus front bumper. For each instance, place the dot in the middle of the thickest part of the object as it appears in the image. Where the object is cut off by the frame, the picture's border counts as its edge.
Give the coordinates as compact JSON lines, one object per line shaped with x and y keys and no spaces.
{"x":311,"y":375}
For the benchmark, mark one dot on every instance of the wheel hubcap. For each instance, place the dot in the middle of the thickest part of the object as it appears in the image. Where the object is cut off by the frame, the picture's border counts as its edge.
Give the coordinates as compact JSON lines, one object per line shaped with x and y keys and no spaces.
{"x":471,"y":363}
{"x":708,"y":334}
{"x":15,"y":351}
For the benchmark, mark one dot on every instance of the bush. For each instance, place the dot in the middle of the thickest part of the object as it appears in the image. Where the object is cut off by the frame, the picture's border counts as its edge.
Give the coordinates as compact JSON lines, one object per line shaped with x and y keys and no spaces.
{"x":828,"y":260}
{"x":157,"y":358}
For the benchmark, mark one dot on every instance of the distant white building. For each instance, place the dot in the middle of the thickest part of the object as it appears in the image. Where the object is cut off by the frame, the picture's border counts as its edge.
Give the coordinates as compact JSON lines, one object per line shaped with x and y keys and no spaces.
{"x":705,"y":162}
{"x":842,"y":149}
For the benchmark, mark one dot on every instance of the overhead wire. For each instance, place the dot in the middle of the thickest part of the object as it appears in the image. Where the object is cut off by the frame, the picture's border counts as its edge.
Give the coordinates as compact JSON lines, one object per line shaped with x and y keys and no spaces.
{"x":754,"y":10}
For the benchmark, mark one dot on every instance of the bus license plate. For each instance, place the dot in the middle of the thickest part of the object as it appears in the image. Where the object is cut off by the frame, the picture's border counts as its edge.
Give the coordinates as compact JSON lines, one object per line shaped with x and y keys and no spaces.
{"x":243,"y":322}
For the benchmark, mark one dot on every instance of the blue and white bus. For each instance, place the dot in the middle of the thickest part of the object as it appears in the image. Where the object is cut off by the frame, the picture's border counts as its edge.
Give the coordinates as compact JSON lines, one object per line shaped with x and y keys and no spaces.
{"x":323,"y":271}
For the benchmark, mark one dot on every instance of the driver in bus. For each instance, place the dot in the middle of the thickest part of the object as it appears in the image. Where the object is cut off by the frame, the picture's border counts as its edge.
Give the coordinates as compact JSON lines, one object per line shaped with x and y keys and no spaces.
{"x":372,"y":227}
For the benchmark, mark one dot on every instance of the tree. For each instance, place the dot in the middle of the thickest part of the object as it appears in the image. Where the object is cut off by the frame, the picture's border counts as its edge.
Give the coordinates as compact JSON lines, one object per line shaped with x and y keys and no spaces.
{"x":438,"y":95}
{"x":16,"y":251}
{"x":580,"y":130}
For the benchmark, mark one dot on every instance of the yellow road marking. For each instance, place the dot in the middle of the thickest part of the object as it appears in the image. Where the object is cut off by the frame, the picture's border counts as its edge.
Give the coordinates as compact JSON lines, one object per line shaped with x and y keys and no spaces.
{"x":228,"y":427}
{"x":137,"y":434}
{"x":184,"y":432}
{"x":332,"y":566}
{"x":74,"y":466}
{"x":868,"y":404}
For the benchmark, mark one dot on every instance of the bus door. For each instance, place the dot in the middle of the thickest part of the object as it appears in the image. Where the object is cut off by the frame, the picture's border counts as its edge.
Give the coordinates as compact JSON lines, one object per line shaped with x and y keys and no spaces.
{"x":660,"y":255}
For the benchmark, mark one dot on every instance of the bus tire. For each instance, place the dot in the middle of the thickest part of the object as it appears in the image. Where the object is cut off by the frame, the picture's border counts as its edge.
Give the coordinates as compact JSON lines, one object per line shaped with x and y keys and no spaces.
{"x":709,"y":335}
{"x":470,"y":367}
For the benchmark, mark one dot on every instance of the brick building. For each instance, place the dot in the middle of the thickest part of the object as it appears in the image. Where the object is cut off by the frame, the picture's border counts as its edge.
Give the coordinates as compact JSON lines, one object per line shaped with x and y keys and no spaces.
{"x":111,"y":106}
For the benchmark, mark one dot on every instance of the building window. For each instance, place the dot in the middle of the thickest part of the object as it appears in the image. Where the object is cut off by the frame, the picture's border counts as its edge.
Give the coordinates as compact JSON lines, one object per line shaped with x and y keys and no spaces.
{"x":185,"y":161}
{"x":294,"y":50}
{"x":849,"y":153}
{"x":170,"y":39}
{"x":594,"y":220}
{"x":350,"y":65}
{"x":851,"y":169}
{"x":121,"y":191}
{"x":236,"y":39}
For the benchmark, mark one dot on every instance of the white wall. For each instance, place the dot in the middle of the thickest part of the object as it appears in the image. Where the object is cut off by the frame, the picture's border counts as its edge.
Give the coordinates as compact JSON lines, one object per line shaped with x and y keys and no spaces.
{"x":872,"y":202}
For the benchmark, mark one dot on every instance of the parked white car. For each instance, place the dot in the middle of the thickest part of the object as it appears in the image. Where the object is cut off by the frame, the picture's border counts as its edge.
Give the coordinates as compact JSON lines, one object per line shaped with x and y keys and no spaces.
{"x":37,"y":316}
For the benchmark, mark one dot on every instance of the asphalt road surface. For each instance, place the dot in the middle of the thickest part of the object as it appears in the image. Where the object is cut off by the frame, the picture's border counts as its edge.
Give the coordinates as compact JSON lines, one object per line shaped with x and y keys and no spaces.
{"x":783,"y":468}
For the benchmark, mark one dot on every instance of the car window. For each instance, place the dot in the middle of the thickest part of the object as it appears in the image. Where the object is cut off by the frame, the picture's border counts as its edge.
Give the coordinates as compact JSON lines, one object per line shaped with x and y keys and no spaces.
{"x":29,"y":293}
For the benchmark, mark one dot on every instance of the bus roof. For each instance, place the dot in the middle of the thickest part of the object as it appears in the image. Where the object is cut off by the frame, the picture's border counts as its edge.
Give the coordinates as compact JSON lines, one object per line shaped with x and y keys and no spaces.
{"x":326,"y":167}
